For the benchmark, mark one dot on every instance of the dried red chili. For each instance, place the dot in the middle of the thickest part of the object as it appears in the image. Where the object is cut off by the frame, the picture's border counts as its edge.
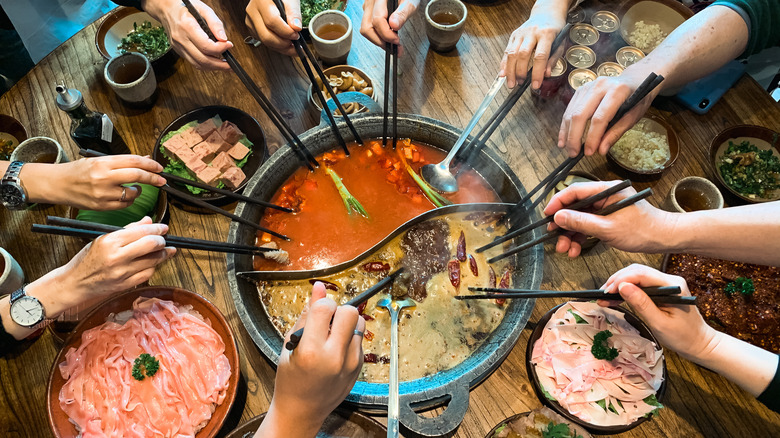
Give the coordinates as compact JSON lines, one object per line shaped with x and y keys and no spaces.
{"x":454,"y":269}
{"x":328,"y":285}
{"x":376,"y":267}
{"x":473,"y":265}
{"x":369,"y":358}
{"x":505,"y":279}
{"x":368,"y":335}
{"x":461,"y":251}
{"x":491,"y":277}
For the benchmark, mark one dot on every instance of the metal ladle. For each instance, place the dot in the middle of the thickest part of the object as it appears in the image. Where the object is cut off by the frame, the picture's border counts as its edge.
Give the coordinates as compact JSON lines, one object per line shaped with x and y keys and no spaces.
{"x":394,"y":307}
{"x":439,"y":175}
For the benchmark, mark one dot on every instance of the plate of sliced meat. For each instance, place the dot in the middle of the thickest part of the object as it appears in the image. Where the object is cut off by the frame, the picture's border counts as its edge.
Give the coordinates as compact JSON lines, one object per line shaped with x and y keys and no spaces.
{"x":217,"y":145}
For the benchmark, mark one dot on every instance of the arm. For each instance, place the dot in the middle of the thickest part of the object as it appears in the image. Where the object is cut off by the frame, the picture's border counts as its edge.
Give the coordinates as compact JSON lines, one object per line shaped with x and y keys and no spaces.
{"x":736,"y":233}
{"x":698,"y":47}
{"x":111,"y":263}
{"x":533,"y":39}
{"x":90,"y":183}
{"x":317,"y":377}
{"x":748,"y":366}
{"x":265,"y":22}
{"x":378,"y":28}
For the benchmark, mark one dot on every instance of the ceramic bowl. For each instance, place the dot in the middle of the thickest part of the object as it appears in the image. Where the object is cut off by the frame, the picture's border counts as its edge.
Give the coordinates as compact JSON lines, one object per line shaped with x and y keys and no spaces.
{"x":506,"y":421}
{"x":117,"y":24}
{"x":693,"y":193}
{"x":764,"y":138}
{"x":659,"y":125}
{"x":337,"y":70}
{"x":12,"y":127}
{"x":40,"y":150}
{"x":341,"y":423}
{"x":338,"y":5}
{"x":667,"y":14}
{"x":58,"y":421}
{"x":644,"y":331}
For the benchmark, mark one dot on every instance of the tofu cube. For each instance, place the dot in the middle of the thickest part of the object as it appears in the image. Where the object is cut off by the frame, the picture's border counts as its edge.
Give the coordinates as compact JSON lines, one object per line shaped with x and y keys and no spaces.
{"x":222,"y":162}
{"x":230,"y":132}
{"x":174,"y":144}
{"x":238,"y":151}
{"x":204,"y":152}
{"x":196,"y":165}
{"x":209,"y":175}
{"x":206,"y":128}
{"x":184,"y":154}
{"x":216,"y":143}
{"x":190,"y":137}
{"x":233,"y":177}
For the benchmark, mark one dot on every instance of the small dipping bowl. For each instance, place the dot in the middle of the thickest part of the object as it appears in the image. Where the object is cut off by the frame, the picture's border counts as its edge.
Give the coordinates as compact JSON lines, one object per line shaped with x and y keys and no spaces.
{"x":658,"y":124}
{"x":131,"y":77}
{"x":40,"y":150}
{"x":10,"y":130}
{"x":693,"y":193}
{"x":331,"y":34}
{"x":444,"y":23}
{"x":11,"y":274}
{"x":337,"y":70}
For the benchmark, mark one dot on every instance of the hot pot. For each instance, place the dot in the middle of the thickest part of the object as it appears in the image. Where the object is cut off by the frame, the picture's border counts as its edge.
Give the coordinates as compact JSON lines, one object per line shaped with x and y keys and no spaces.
{"x":449,"y":387}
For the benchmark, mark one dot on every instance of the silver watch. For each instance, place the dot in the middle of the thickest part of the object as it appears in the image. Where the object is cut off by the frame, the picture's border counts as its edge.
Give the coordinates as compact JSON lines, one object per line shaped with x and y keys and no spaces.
{"x":26,"y":311}
{"x":12,"y":193}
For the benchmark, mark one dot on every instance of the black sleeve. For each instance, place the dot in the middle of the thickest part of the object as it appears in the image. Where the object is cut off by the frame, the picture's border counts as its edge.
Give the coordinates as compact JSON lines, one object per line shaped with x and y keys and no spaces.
{"x":7,"y":342}
{"x":134,"y":3}
{"x":771,"y":395}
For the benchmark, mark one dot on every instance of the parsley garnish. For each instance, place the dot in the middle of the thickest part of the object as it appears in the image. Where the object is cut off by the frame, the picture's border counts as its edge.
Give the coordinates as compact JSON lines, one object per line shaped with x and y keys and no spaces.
{"x":600,"y":349}
{"x":145,"y":364}
{"x":560,"y":430}
{"x":749,"y":170}
{"x":742,"y":285}
{"x":148,"y":39}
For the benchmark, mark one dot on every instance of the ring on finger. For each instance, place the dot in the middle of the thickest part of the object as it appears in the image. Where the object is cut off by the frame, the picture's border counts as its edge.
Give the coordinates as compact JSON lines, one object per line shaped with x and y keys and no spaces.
{"x":124,"y":194}
{"x":358,"y":333}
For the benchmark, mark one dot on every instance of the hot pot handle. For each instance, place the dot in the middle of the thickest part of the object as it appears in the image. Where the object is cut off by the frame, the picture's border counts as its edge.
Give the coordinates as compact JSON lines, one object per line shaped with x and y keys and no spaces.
{"x":349,"y":97}
{"x":444,"y":424}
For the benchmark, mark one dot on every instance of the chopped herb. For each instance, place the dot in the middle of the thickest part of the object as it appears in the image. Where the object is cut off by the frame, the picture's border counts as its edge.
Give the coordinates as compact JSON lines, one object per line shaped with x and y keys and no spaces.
{"x":578,"y":318}
{"x":310,"y":8}
{"x":350,"y":202}
{"x":751,"y":171}
{"x":150,"y":40}
{"x":145,"y":365}
{"x":742,"y":285}
{"x":560,"y":430}
{"x":600,"y":349}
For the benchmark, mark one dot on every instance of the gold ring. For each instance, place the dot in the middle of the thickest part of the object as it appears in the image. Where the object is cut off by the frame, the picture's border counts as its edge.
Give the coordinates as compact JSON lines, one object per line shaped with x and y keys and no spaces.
{"x":124,"y":194}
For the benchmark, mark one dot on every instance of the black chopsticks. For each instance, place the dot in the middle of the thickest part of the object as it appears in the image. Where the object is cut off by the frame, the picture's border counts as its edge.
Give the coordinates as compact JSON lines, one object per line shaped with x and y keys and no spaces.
{"x":555,"y":233}
{"x":200,"y":185}
{"x":276,"y":118}
{"x":391,"y":69}
{"x":659,"y":295}
{"x":90,"y":230}
{"x":295,"y":337}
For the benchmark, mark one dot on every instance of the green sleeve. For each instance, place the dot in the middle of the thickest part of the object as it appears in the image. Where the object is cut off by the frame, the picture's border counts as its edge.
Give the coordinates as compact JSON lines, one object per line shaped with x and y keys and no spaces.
{"x":763,"y":20}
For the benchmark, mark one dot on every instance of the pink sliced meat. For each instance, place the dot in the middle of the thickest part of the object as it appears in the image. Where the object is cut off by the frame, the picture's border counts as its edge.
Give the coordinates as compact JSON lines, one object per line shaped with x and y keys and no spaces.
{"x":238,"y":151}
{"x":230,"y":132}
{"x":233,"y":177}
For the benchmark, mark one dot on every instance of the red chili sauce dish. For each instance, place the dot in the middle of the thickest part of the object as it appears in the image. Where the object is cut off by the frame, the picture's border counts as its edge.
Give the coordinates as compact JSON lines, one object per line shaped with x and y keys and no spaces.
{"x":740,"y":299}
{"x":324,"y":233}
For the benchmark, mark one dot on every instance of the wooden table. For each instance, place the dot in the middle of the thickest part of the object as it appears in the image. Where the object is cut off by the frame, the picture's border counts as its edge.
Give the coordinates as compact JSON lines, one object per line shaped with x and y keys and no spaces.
{"x":443,"y":86}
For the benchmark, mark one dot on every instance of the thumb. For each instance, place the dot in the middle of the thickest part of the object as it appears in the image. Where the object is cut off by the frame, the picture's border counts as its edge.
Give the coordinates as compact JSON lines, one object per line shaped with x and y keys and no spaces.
{"x":641,"y":304}
{"x":399,"y":17}
{"x":293,"y":11}
{"x":585,"y":223}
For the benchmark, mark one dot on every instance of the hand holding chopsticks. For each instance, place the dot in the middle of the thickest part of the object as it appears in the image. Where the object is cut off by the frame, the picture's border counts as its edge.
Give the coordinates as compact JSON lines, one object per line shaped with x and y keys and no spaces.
{"x":659,"y":295}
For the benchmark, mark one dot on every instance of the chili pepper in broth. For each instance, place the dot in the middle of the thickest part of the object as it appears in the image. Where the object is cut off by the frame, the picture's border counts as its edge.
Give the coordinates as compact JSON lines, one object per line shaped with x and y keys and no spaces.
{"x":473,"y":265}
{"x":376,"y":267}
{"x":454,"y":270}
{"x":461,"y":252}
{"x":491,"y":277}
{"x":505,"y":279}
{"x":328,"y":285}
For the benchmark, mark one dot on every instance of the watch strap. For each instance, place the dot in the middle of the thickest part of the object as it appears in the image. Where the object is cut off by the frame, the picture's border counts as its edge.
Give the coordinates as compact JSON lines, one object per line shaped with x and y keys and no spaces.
{"x":12,"y":180}
{"x":12,"y":173}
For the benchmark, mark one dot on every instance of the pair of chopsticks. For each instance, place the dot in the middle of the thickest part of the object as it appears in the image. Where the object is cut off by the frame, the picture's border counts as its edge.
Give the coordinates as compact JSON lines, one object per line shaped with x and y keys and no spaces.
{"x":72,"y":227}
{"x":203,"y":204}
{"x":391,"y":68}
{"x":555,"y":233}
{"x":295,"y":337}
{"x":659,"y":295}
{"x":276,"y":118}
{"x":498,"y":116}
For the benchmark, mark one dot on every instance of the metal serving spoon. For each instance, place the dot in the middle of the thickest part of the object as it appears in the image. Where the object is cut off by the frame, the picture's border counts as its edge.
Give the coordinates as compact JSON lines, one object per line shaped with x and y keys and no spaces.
{"x":394,"y":307}
{"x":439,"y":175}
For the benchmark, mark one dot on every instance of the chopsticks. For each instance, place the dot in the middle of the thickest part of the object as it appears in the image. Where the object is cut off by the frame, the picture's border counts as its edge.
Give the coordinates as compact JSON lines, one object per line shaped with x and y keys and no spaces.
{"x":498,"y":116}
{"x":276,"y":118}
{"x":89,"y":230}
{"x":575,"y":206}
{"x":203,"y":204}
{"x":659,"y":295}
{"x":555,"y":233}
{"x":200,"y":185}
{"x":295,"y":337}
{"x":391,"y":68}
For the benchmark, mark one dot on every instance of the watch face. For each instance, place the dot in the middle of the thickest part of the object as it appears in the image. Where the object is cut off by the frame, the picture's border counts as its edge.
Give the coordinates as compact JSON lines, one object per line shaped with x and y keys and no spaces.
{"x":27,"y":311}
{"x":11,"y":196}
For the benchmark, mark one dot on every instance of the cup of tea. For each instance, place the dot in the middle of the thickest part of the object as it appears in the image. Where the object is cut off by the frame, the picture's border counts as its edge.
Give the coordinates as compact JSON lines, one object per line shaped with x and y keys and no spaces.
{"x":693,"y":193}
{"x":40,"y":150}
{"x":132,"y":78}
{"x":11,"y":274}
{"x":444,"y":23}
{"x":331,"y":33}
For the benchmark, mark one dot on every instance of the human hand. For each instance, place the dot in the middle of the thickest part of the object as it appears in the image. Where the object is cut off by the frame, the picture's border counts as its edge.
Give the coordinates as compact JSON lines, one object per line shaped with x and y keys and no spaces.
{"x":314,"y":379}
{"x":376,"y":26}
{"x":91,"y":183}
{"x":533,"y":39}
{"x":265,"y":22}
{"x":680,"y":328}
{"x":187,"y":38}
{"x":596,"y":103}
{"x":636,"y":228}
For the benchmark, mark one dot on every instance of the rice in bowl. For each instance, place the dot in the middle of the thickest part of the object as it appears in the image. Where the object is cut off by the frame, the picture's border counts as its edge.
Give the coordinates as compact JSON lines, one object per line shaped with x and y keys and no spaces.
{"x":642,"y":149}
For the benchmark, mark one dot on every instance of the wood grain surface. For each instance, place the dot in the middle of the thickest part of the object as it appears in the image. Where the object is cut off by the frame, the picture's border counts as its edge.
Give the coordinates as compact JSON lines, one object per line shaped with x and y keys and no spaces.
{"x":443,"y":86}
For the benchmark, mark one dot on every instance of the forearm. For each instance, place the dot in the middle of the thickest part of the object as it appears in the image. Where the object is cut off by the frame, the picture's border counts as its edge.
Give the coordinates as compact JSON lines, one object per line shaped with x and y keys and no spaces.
{"x":748,"y":366}
{"x":276,"y":426}
{"x":557,"y":7}
{"x":698,"y":47}
{"x":748,"y":233}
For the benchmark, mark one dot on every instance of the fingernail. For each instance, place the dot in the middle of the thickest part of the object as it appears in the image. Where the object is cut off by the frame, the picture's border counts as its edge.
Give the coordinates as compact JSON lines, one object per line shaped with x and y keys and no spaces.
{"x":620,"y":288}
{"x":562,"y":217}
{"x":222,"y":35}
{"x":297,"y":23}
{"x":535,"y":85}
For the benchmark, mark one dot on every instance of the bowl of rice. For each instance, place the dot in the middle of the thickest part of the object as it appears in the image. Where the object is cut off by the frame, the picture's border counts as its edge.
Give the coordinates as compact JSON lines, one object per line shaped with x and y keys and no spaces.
{"x":646,"y":150}
{"x":645,"y":24}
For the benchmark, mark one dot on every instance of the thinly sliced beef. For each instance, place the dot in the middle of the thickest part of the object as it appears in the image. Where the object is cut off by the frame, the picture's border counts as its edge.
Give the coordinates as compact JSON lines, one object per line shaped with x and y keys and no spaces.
{"x":426,"y":252}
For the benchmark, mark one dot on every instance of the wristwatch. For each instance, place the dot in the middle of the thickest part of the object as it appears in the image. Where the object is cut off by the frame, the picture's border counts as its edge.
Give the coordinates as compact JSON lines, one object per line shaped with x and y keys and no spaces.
{"x":26,"y":311}
{"x":12,"y":193}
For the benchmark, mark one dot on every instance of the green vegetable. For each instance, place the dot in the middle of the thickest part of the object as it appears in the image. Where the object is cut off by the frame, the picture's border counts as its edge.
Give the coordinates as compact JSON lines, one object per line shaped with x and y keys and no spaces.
{"x":751,"y":171}
{"x":547,"y":395}
{"x":310,"y":8}
{"x":600,"y":349}
{"x":578,"y":318}
{"x":652,"y":401}
{"x":145,"y":365}
{"x":147,"y":39}
{"x":742,"y":285}
{"x":352,"y":204}
{"x":499,"y":429}
{"x":560,"y":430}
{"x":142,"y":206}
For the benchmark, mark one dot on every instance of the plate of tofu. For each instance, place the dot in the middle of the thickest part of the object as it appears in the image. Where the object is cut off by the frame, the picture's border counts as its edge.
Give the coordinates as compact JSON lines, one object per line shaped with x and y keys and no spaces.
{"x":218,"y":145}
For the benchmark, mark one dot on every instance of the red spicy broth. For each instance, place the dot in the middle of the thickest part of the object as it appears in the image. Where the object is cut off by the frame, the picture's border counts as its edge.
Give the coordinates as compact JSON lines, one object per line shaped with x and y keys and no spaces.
{"x":324,"y":234}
